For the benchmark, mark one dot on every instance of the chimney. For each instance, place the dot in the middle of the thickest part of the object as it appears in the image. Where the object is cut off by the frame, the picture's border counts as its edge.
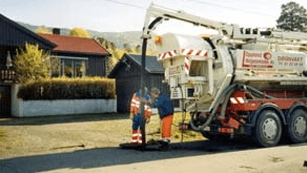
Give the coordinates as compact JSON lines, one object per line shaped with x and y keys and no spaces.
{"x":56,"y":31}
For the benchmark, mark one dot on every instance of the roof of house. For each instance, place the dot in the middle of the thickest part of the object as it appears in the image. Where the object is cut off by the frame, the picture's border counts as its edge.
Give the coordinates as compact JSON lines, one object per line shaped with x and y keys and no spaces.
{"x":152,"y":65}
{"x":79,"y":45}
{"x":13,"y":34}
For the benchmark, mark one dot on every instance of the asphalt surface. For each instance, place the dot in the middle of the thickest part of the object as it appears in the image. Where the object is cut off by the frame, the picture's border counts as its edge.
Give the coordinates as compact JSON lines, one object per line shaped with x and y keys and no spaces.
{"x":104,"y":157}
{"x":108,"y":157}
{"x":197,"y":156}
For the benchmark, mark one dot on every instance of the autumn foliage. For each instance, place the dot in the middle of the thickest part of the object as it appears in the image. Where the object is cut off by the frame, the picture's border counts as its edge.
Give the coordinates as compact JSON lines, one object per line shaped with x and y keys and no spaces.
{"x":68,"y":88}
{"x":79,"y":32}
{"x":43,"y":30}
{"x":31,"y":63}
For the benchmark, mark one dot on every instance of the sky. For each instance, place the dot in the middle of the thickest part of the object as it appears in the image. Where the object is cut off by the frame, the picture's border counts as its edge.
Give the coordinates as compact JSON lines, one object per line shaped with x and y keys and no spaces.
{"x":123,"y":15}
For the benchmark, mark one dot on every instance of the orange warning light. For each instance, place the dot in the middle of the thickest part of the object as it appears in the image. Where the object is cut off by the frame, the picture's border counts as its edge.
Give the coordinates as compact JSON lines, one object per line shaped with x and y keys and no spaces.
{"x":158,"y":39}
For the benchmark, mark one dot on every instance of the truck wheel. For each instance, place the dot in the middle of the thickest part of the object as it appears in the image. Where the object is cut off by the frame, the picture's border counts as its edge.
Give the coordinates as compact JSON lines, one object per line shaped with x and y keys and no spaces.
{"x":297,"y":126}
{"x":268,"y":129}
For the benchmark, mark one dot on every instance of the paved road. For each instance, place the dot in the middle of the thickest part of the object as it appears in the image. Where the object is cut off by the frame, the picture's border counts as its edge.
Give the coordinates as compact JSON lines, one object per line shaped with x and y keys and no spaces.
{"x":202,"y":156}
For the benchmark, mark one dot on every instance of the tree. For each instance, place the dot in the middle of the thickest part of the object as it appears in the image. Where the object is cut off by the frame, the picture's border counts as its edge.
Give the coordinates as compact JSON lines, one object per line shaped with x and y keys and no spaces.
{"x":43,"y":30}
{"x":116,"y":53}
{"x":293,"y":17}
{"x":127,"y":47}
{"x":31,"y":63}
{"x":79,"y":32}
{"x":138,"y":49}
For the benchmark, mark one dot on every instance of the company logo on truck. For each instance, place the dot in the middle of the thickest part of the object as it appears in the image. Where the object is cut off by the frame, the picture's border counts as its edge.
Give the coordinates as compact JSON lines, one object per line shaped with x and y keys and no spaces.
{"x":295,"y":61}
{"x":257,"y":59}
{"x":278,"y":60}
{"x":267,"y":55}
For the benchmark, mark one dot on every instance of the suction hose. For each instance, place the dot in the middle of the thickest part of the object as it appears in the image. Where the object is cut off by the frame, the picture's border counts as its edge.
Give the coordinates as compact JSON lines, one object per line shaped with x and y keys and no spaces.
{"x":223,"y":101}
{"x":227,"y":92}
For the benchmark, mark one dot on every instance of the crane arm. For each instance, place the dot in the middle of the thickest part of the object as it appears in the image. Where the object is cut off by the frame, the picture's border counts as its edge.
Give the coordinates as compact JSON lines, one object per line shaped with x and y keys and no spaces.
{"x":231,"y":31}
{"x":161,"y":13}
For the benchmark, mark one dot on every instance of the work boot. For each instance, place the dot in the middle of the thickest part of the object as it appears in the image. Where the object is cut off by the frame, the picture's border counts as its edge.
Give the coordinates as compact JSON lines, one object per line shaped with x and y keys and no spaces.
{"x":164,"y":145}
{"x":152,"y":142}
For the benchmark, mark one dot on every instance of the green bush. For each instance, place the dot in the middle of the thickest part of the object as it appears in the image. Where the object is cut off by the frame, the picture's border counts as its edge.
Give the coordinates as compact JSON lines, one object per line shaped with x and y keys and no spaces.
{"x":68,"y":88}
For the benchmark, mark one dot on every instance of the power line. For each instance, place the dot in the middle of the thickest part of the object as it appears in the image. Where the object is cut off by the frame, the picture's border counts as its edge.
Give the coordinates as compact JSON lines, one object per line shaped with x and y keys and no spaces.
{"x":125,"y":4}
{"x":230,"y":8}
{"x":199,"y":2}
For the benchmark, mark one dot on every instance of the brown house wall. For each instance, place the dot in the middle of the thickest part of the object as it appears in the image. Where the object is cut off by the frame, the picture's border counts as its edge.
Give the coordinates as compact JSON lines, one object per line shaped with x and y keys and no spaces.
{"x":96,"y":66}
{"x":5,"y":100}
{"x":128,"y":82}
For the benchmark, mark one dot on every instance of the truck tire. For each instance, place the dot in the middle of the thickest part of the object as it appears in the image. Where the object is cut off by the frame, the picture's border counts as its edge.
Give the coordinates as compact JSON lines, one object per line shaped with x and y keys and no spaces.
{"x":268,"y":129}
{"x":297,"y":126}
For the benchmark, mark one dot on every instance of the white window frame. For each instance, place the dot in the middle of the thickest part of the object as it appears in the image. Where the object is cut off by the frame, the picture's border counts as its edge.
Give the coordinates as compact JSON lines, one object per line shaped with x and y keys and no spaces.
{"x":62,"y":65}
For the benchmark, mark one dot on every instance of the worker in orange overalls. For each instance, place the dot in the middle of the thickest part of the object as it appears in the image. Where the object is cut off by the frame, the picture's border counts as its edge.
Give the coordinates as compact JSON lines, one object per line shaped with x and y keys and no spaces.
{"x":166,"y":111}
{"x":135,"y":114}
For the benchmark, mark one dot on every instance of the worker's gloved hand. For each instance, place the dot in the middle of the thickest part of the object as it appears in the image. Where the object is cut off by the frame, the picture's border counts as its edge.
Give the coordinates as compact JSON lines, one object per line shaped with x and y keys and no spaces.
{"x":131,"y":115}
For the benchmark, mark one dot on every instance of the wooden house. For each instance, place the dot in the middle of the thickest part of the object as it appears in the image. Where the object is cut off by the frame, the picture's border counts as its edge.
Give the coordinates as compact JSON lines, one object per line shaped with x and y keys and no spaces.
{"x":13,"y":37}
{"x":76,"y":56}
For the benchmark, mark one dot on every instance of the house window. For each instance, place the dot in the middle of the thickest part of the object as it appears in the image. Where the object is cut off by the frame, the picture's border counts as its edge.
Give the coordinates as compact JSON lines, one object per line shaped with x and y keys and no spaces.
{"x":69,"y":66}
{"x":80,"y":68}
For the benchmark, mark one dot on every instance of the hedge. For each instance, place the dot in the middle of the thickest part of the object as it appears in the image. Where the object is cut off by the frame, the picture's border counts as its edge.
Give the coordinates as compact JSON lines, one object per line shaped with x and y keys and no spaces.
{"x":68,"y":88}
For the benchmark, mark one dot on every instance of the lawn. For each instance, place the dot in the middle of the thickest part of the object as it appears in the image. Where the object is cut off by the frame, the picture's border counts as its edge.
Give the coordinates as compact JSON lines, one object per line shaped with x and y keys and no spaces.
{"x":40,"y":135}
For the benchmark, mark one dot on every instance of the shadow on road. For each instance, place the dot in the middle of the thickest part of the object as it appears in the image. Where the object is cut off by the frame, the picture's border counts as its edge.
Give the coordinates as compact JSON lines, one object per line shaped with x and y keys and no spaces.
{"x":62,"y":119}
{"x":103,"y":157}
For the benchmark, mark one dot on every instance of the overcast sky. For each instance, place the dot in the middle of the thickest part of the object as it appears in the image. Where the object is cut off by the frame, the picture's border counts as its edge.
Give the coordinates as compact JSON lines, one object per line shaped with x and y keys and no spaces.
{"x":123,"y":15}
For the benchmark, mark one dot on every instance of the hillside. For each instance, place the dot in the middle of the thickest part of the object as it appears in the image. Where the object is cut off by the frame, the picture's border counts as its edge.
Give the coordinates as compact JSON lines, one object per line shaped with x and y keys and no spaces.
{"x":133,"y":38}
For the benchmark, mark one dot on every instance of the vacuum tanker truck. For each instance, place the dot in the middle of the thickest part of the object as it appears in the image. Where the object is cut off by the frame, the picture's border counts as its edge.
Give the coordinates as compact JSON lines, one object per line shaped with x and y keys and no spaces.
{"x":238,"y":81}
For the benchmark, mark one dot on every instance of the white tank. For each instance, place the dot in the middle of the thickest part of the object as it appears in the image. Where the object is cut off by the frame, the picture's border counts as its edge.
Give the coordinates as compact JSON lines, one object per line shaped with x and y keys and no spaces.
{"x":171,"y":41}
{"x":190,"y":63}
